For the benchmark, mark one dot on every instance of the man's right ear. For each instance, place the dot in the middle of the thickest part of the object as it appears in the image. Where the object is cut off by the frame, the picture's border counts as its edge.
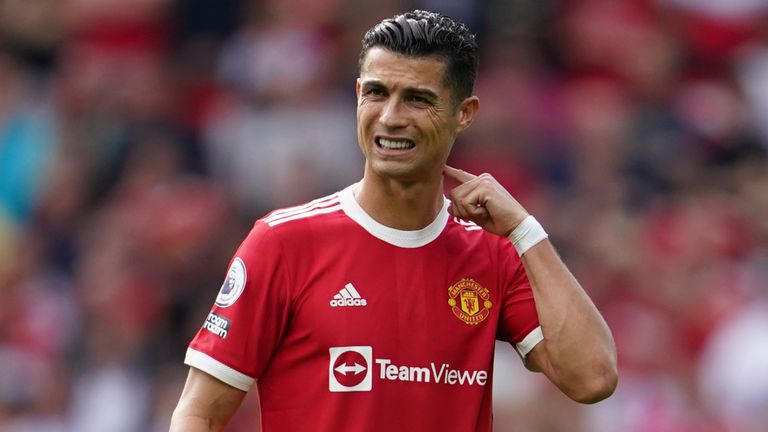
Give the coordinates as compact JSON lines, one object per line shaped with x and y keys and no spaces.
{"x":466,"y":112}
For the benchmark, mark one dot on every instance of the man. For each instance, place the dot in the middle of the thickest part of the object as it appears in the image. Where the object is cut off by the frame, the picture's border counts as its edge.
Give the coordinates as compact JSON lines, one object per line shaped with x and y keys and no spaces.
{"x":377,"y":308}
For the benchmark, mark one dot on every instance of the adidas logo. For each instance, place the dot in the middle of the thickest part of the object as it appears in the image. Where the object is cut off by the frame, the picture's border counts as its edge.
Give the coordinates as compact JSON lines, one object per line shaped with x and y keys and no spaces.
{"x":348,"y":296}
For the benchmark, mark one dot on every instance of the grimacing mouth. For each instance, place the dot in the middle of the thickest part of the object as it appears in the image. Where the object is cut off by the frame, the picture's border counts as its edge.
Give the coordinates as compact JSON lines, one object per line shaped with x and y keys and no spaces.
{"x":394,"y":143}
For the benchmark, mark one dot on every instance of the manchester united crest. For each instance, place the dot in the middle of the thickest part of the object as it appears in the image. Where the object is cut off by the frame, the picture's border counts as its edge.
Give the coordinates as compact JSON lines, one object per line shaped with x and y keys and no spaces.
{"x":469,"y":301}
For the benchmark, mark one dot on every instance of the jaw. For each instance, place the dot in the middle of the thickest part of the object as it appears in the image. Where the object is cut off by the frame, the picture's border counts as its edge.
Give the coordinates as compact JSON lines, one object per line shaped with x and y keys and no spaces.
{"x":404,"y":170}
{"x":393,"y":168}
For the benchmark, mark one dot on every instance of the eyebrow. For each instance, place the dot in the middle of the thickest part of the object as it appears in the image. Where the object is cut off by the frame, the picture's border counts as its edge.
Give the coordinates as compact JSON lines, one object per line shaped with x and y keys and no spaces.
{"x":418,"y":91}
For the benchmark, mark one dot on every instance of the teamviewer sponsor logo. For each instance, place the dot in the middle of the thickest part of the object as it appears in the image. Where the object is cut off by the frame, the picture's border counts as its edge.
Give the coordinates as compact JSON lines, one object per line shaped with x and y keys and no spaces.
{"x":348,"y":296}
{"x":441,"y":374}
{"x":349,"y":369}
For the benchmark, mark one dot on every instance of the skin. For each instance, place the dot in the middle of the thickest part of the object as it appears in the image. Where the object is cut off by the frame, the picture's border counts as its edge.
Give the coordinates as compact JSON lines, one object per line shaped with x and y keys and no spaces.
{"x":206,"y":404}
{"x":405,"y":99}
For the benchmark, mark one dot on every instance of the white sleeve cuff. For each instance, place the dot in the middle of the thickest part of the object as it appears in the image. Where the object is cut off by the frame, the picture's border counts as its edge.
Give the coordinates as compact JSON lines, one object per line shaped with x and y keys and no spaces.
{"x":218,"y":370}
{"x":526,"y":345}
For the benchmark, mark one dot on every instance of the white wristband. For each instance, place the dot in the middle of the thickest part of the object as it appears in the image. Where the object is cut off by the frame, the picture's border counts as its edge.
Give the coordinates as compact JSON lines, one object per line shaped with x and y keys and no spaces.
{"x":527,"y":234}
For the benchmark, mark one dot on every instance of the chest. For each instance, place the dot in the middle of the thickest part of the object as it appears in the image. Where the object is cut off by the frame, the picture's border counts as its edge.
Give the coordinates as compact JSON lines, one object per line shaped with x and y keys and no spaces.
{"x":433,"y":301}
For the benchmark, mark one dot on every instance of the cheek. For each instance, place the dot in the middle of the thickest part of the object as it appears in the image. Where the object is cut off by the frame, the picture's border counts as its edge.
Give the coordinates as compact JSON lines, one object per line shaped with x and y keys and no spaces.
{"x":362,"y":117}
{"x":365,"y":110}
{"x":363,"y":125}
{"x":441,"y":126}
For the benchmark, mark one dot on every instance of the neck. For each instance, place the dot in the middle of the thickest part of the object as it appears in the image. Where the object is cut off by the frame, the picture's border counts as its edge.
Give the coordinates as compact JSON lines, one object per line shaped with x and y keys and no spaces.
{"x":400,"y":205}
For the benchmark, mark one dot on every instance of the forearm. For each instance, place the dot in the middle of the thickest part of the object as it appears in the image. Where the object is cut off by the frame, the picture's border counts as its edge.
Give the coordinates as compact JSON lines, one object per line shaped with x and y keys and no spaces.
{"x":198,"y":416}
{"x":187,"y":422}
{"x":206,"y":404}
{"x":579,"y":354}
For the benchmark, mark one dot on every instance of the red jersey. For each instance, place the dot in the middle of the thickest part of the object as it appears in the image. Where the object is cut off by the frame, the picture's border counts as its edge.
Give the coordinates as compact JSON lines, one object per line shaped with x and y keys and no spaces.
{"x":348,"y":325}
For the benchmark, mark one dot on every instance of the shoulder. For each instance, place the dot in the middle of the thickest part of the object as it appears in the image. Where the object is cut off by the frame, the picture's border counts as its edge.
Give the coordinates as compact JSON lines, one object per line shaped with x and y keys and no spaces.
{"x":290,"y":229}
{"x":299,"y":221}
{"x":304,"y":213}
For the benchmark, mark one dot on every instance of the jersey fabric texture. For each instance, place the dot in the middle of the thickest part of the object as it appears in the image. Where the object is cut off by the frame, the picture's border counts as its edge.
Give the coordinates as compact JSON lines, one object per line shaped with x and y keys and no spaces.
{"x":348,"y":325}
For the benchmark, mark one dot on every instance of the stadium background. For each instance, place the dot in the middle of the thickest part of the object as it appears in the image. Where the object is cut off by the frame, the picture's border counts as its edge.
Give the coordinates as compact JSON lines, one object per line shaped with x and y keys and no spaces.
{"x":139,"y":139}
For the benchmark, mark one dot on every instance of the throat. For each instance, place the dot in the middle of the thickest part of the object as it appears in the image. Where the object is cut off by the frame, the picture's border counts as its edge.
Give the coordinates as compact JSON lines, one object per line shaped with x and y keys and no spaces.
{"x":408,"y":208}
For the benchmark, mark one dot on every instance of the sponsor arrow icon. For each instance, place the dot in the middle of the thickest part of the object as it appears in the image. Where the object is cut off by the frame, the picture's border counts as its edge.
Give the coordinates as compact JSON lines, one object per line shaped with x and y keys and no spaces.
{"x":343,"y":368}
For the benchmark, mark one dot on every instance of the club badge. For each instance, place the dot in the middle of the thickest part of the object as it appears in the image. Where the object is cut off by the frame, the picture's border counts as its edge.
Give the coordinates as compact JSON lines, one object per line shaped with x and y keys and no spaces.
{"x":469,"y":301}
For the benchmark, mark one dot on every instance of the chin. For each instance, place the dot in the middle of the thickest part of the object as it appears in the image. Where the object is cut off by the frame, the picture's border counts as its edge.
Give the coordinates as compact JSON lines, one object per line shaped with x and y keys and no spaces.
{"x":390,"y":169}
{"x":399,"y":172}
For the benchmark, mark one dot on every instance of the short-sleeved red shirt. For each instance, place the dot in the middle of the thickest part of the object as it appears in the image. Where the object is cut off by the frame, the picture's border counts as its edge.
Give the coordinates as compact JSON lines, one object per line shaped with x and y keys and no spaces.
{"x":348,"y":325}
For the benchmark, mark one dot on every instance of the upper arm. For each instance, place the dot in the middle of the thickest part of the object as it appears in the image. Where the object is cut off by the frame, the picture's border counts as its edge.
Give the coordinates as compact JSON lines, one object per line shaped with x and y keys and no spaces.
{"x":518,"y":320}
{"x":206,"y":403}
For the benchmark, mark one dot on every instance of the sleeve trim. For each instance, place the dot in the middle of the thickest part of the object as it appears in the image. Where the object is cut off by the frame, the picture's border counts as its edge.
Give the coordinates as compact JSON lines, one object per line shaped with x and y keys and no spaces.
{"x":526,"y":345}
{"x":218,"y":370}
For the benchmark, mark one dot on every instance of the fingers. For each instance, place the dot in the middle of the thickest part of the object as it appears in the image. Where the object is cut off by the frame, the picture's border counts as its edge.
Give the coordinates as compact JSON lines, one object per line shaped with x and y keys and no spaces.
{"x":466,"y":211}
{"x":468,"y":200}
{"x":460,"y":176}
{"x":484,"y":201}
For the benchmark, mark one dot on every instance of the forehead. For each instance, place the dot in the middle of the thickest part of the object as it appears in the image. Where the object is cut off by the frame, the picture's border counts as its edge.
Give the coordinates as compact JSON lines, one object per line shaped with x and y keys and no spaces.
{"x":394,"y":70}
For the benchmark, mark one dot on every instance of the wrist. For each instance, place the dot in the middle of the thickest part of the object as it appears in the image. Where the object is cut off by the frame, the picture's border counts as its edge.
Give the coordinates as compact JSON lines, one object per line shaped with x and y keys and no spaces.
{"x":527,"y":234}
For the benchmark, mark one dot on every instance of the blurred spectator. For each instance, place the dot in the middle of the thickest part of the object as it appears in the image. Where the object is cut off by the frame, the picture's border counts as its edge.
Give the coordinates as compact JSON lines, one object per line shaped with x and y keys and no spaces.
{"x":735,"y":387}
{"x":287,"y":134}
{"x":27,"y":138}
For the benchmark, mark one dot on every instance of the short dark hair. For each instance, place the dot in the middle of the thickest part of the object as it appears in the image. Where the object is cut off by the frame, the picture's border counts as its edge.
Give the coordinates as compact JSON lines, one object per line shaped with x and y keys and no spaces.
{"x":423,"y":34}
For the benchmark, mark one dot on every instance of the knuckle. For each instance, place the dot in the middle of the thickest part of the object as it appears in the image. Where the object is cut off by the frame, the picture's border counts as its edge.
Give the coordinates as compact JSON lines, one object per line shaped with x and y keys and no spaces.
{"x":486,"y":179}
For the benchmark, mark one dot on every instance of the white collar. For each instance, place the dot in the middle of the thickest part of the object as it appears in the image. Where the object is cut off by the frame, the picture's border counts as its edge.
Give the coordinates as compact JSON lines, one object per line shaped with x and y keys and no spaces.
{"x":400,"y":238}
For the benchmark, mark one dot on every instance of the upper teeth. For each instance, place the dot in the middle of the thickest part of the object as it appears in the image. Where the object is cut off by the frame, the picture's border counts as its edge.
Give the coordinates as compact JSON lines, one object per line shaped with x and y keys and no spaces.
{"x":395,"y":145}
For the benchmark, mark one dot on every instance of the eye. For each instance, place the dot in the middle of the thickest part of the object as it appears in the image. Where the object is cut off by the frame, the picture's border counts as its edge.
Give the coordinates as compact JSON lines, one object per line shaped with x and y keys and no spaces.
{"x":374,"y":91}
{"x":420,"y":100}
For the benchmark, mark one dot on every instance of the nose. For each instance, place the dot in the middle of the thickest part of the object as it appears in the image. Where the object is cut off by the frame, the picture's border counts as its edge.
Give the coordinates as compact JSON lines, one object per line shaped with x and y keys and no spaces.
{"x":392,"y":115}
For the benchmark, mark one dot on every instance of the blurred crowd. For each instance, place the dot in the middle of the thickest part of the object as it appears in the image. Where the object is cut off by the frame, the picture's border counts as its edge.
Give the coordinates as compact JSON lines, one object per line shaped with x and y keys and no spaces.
{"x":140,"y":140}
